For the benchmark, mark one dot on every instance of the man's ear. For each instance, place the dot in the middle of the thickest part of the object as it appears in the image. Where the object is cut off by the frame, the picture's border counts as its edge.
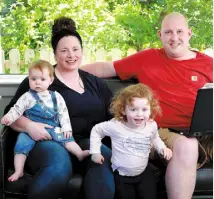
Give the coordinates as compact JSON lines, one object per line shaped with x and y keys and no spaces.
{"x":190,"y":32}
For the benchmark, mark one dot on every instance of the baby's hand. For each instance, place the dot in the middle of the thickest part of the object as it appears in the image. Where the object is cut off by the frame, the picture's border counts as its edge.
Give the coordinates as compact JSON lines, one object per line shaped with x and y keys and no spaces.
{"x":5,"y":120}
{"x":97,"y":158}
{"x":68,"y":134}
{"x":167,"y":153}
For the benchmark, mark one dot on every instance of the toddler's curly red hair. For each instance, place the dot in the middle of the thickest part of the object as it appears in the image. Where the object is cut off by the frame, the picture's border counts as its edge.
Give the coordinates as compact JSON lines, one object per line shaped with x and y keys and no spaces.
{"x":125,"y":97}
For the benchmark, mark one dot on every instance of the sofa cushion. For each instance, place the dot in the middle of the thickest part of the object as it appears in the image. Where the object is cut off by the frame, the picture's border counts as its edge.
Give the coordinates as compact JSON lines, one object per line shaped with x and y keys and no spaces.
{"x":204,"y":182}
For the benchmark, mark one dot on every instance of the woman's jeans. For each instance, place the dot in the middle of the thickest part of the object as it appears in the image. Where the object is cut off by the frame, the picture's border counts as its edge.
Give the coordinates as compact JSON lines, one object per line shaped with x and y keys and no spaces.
{"x":51,"y":165}
{"x":99,"y":179}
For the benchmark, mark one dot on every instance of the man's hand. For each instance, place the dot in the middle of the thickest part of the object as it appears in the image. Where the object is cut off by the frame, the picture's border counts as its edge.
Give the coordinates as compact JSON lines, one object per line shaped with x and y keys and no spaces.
{"x":167,"y":153}
{"x":67,"y":134}
{"x":97,"y":158}
{"x":208,"y":85}
{"x":37,"y":131}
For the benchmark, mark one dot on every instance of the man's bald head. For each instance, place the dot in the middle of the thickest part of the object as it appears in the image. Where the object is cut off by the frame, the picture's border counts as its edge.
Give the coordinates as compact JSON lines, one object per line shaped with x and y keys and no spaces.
{"x":174,"y":16}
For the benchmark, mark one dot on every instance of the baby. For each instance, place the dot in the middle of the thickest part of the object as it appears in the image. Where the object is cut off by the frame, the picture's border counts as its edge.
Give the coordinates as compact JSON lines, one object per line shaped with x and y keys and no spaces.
{"x":44,"y":106}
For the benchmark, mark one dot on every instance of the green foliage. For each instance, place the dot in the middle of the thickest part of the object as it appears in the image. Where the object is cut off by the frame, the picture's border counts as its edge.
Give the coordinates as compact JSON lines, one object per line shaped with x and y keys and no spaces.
{"x":199,"y":14}
{"x":104,"y":23}
{"x":30,"y":24}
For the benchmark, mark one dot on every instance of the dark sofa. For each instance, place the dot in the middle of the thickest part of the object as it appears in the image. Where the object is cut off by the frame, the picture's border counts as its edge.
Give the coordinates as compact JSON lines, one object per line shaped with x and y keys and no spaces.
{"x":18,"y":189}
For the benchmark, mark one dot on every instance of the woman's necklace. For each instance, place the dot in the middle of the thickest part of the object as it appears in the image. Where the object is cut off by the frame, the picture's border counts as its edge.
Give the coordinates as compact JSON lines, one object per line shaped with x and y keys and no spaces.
{"x":80,"y":82}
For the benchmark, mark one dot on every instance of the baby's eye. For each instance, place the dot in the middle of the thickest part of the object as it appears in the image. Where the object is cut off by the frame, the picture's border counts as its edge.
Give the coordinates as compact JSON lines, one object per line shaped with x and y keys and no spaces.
{"x":43,"y":79}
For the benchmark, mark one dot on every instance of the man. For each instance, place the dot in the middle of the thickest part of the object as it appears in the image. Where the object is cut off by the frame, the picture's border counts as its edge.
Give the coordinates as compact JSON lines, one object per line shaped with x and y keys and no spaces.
{"x":175,"y":73}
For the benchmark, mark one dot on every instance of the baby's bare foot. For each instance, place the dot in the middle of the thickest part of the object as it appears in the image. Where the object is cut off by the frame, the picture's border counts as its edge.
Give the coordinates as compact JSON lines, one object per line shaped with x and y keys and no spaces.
{"x":15,"y":176}
{"x":83,"y":155}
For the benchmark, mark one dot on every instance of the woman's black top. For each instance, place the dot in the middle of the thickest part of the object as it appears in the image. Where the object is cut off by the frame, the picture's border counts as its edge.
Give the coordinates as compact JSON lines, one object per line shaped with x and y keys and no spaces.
{"x":86,"y":109}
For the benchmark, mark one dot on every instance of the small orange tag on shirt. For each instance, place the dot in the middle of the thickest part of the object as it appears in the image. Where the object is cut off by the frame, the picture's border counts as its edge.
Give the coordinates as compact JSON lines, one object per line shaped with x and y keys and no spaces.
{"x":194,"y":78}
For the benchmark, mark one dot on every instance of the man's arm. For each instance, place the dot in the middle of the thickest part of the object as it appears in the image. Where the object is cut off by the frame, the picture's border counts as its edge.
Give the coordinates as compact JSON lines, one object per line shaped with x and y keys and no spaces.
{"x":100,"y":69}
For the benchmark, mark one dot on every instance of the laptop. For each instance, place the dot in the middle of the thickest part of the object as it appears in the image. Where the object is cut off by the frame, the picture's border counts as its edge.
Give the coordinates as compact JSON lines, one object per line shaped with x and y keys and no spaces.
{"x":202,"y":118}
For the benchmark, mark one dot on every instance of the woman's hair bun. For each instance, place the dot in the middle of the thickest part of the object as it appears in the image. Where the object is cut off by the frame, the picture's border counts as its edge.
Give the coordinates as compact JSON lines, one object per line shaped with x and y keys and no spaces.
{"x":63,"y":27}
{"x":63,"y":23}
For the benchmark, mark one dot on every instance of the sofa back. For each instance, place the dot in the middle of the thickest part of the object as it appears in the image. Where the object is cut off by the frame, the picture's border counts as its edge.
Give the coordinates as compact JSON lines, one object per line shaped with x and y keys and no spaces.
{"x":115,"y":84}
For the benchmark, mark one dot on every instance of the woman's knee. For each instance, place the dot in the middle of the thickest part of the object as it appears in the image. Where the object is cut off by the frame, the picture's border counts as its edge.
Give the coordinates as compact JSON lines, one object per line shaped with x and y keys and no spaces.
{"x":49,"y":154}
{"x":53,"y":168}
{"x":99,"y":179}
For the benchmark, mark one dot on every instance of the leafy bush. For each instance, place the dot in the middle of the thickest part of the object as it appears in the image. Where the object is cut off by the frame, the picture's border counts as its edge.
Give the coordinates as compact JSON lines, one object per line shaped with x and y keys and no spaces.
{"x":105,"y":23}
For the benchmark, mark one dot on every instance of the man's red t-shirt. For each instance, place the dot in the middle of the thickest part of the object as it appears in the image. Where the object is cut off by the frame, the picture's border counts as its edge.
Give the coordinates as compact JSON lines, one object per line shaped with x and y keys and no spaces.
{"x":175,"y":82}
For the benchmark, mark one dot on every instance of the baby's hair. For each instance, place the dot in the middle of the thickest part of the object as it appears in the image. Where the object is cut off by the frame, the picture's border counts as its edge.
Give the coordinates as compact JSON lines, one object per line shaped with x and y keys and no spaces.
{"x":41,"y":65}
{"x":125,"y":97}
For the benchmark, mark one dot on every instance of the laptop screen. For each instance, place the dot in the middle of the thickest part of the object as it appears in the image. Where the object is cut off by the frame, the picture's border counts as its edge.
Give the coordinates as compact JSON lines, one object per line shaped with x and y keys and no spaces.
{"x":202,"y":119}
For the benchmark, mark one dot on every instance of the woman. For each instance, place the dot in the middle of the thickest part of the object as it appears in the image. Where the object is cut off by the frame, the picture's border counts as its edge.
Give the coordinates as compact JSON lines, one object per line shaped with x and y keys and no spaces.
{"x":87,"y":99}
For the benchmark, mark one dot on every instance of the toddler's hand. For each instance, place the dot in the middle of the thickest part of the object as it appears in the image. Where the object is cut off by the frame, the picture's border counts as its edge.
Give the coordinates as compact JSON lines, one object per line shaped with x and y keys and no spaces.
{"x":5,"y":120}
{"x":97,"y":158}
{"x":167,"y":153}
{"x":68,"y":134}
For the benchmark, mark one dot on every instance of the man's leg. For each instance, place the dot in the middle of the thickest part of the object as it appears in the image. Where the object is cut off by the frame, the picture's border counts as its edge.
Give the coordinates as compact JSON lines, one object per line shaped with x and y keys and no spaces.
{"x":51,"y":164}
{"x":181,"y":170}
{"x":99,"y":179}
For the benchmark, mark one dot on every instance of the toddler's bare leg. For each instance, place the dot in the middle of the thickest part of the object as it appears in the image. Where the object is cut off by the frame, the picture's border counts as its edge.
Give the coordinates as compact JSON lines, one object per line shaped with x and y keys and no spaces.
{"x":75,"y":149}
{"x":19,"y":162}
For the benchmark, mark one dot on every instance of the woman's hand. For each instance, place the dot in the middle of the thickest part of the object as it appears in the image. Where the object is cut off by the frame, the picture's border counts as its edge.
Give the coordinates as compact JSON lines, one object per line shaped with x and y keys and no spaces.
{"x":37,"y":131}
{"x":97,"y":158}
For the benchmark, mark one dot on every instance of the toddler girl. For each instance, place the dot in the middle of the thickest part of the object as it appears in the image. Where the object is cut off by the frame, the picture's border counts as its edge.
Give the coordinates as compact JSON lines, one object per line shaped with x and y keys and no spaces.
{"x":133,"y":133}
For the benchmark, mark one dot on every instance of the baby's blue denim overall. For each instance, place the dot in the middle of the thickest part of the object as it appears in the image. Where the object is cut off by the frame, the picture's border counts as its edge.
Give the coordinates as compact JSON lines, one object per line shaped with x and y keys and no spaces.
{"x":43,"y":114}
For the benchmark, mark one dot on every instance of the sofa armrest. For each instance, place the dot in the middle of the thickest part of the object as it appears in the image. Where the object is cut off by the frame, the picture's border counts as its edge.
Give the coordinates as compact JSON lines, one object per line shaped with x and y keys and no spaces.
{"x":7,"y":141}
{"x":4,"y":132}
